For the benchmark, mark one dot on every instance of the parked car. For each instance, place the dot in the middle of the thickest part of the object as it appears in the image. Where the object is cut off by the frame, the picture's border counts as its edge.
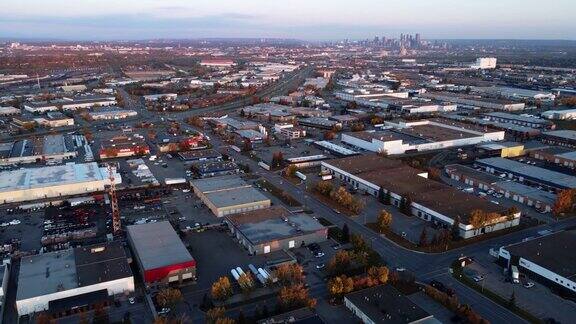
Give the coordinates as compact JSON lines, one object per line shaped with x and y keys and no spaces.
{"x":320,"y":266}
{"x":528,"y":285}
{"x":478,"y":278}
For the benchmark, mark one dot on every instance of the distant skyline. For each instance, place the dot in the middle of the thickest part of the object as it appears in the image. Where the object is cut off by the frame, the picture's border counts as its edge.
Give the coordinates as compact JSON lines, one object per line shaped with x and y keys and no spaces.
{"x":296,"y":19}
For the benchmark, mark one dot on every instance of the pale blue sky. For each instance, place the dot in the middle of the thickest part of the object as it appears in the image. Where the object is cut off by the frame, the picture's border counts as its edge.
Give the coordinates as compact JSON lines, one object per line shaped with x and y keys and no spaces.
{"x":301,"y":19}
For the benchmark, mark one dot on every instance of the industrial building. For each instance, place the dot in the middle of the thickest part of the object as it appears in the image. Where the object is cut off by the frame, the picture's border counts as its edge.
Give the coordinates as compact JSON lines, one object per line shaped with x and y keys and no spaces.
{"x":475,"y":101}
{"x":111,"y":113}
{"x":319,"y":122}
{"x":429,"y":200}
{"x":200,"y":155}
{"x":75,"y":278}
{"x":50,"y":147}
{"x":422,"y":135}
{"x":502,"y":149}
{"x":272,"y":229}
{"x":55,"y":119}
{"x":528,"y":174}
{"x":526,"y":121}
{"x":123,"y":146}
{"x":9,"y":111}
{"x":53,"y":181}
{"x":556,"y":155}
{"x":385,"y":304}
{"x":214,"y":168}
{"x":229,"y":195}
{"x":161,"y":256}
{"x":566,"y":138}
{"x":85,"y":102}
{"x":548,"y":259}
{"x":530,"y":196}
{"x":560,"y":114}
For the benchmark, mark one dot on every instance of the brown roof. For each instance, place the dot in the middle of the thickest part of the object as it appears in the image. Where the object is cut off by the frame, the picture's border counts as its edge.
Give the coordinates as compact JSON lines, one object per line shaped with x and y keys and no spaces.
{"x":365,"y":163}
{"x":259,"y":215}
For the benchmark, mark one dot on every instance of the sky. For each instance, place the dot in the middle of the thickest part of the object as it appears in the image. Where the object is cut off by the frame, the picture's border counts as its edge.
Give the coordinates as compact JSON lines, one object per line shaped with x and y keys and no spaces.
{"x":295,"y":19}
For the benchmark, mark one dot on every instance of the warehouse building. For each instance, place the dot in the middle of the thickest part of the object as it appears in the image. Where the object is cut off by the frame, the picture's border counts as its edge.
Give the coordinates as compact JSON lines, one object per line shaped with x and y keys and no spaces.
{"x":161,"y":256}
{"x":502,"y":149}
{"x":548,"y":259}
{"x":85,"y":102}
{"x":229,"y":195}
{"x":50,"y":147}
{"x":73,"y":278}
{"x":111,"y":113}
{"x":530,"y":196}
{"x":123,"y":146}
{"x":565,"y":138}
{"x":53,"y":181}
{"x":527,"y":174}
{"x":385,"y":304}
{"x":421,"y":135}
{"x":522,"y":120}
{"x":207,"y":169}
{"x":556,"y":155}
{"x":429,"y":200}
{"x":477,"y":101}
{"x":268,"y":230}
{"x":560,"y":114}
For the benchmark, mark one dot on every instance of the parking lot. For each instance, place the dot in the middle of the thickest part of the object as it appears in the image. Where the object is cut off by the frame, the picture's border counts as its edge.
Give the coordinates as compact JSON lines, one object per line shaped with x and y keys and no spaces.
{"x":538,"y":299}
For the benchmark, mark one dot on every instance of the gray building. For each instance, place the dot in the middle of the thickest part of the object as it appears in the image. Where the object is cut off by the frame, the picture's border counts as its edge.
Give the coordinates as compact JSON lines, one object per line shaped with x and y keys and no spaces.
{"x":385,"y":304}
{"x":229,"y":195}
{"x":268,"y":230}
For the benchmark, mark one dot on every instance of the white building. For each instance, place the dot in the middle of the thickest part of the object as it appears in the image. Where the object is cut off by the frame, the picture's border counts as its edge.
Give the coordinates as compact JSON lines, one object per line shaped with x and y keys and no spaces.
{"x":560,"y":114}
{"x":53,"y":181}
{"x":484,"y":63}
{"x":165,"y":96}
{"x":47,"y":279}
{"x":421,"y":135}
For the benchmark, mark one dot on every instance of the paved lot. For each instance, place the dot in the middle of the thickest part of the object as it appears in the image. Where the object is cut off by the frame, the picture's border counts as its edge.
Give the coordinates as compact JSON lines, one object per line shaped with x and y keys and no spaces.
{"x":538,"y":300}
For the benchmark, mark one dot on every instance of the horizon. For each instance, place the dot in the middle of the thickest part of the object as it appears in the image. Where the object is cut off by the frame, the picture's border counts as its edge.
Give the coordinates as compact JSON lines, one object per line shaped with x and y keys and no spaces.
{"x":322,"y":20}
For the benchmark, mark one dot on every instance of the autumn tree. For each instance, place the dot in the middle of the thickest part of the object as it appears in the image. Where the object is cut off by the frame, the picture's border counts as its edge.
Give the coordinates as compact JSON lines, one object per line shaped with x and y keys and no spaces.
{"x":277,"y":159}
{"x":340,"y":261}
{"x":564,"y":202}
{"x":379,"y":274}
{"x":340,"y":285}
{"x":384,"y":220}
{"x":329,"y":135}
{"x":357,"y":127}
{"x":213,"y":314}
{"x":295,"y":296}
{"x":290,"y":274}
{"x":291,"y":170}
{"x":423,"y":241}
{"x":247,"y":145}
{"x":323,"y":187}
{"x":455,"y":229}
{"x":406,"y":205}
{"x":100,"y":315}
{"x":169,"y":297}
{"x":221,"y":289}
{"x":246,"y":282}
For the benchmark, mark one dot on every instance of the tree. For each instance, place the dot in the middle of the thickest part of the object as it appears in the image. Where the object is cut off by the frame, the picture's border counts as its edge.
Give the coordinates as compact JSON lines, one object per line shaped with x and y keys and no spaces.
{"x":384,"y":220}
{"x":340,"y":261}
{"x":43,"y":318}
{"x":512,"y":300}
{"x":406,"y":205}
{"x":323,"y":187}
{"x":384,"y":196}
{"x":564,"y":201}
{"x":214,"y":314}
{"x":423,"y":238}
{"x":455,"y":230}
{"x":379,"y":274}
{"x":345,"y":234}
{"x":357,"y":127}
{"x":169,"y":297}
{"x":242,"y":113}
{"x":340,"y":285}
{"x":246,"y":282}
{"x":295,"y":296}
{"x":100,"y":315}
{"x":221,"y":289}
{"x":290,"y":274}
{"x":329,"y":135}
{"x":291,"y":170}
{"x":247,"y":145}
{"x":277,"y":159}
{"x":358,"y":244}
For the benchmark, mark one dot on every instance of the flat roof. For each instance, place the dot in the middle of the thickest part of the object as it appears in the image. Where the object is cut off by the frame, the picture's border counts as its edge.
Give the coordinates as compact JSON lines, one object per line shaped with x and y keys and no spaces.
{"x":274,"y":223}
{"x":385,"y":304}
{"x":54,"y":144}
{"x":527,"y":191}
{"x":236,"y":196}
{"x":564,"y":133}
{"x":220,"y":184}
{"x":474,"y":174}
{"x":157,"y":245}
{"x":364,"y":163}
{"x":554,"y":252}
{"x":47,"y":273}
{"x":48,"y":176}
{"x":526,"y":119}
{"x":531,"y":172}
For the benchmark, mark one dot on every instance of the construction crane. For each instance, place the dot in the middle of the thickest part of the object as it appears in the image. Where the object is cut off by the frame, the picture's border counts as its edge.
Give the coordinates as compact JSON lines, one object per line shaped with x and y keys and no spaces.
{"x":113,"y":201}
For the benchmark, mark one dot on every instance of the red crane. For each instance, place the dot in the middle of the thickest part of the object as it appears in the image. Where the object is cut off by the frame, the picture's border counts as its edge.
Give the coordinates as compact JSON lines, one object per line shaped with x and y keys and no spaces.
{"x":113,"y":201}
